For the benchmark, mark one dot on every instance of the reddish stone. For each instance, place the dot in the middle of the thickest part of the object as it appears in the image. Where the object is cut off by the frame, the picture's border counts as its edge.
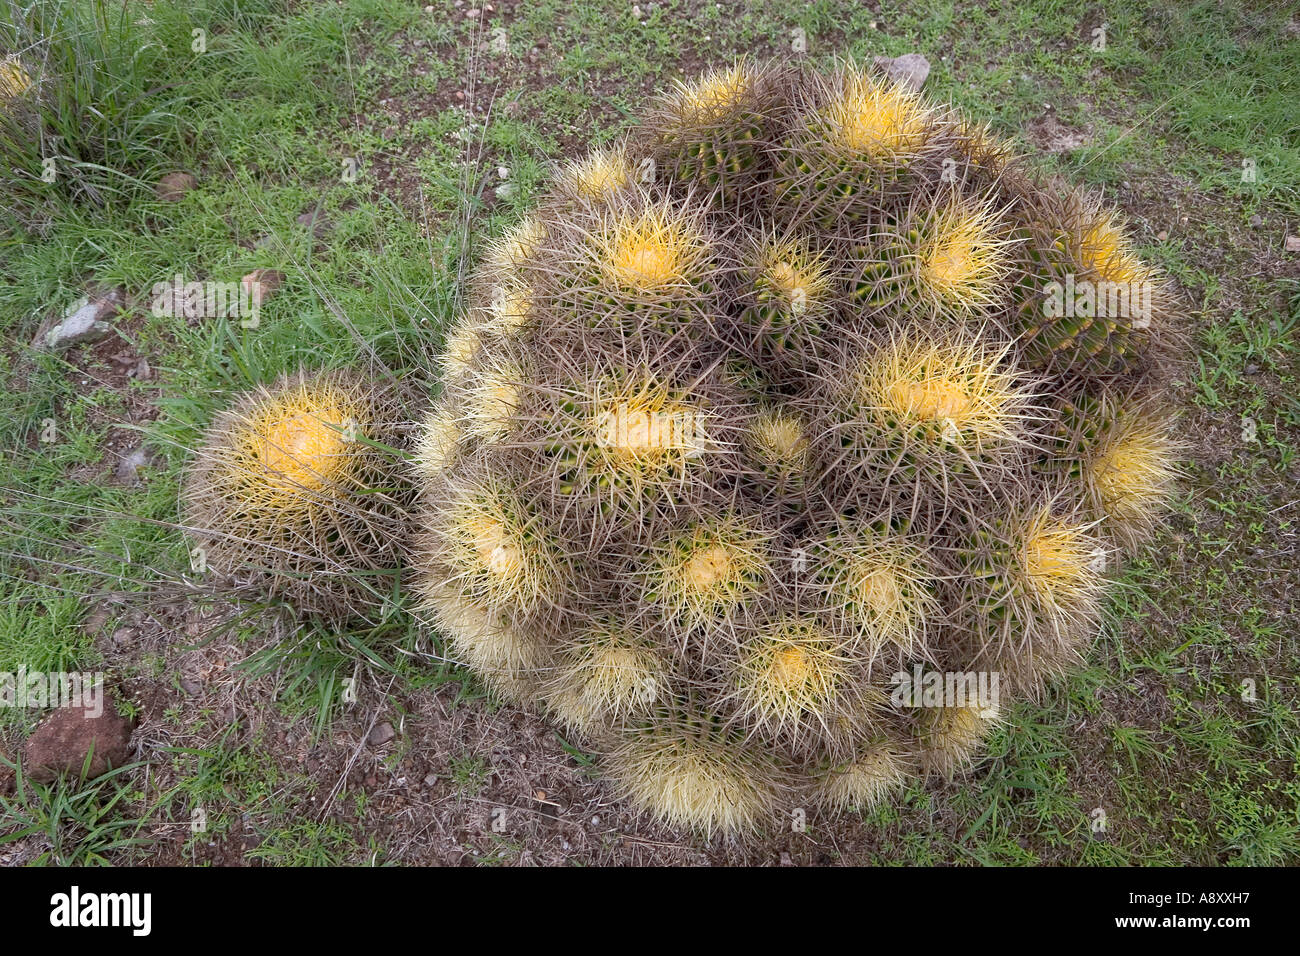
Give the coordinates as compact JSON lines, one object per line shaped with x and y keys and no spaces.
{"x":64,"y":738}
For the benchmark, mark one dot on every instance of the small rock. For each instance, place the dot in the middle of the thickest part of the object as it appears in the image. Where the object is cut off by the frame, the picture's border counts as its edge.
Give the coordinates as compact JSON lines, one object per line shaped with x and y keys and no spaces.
{"x":85,"y":322}
{"x":1252,"y":369}
{"x":381,"y":734}
{"x":370,"y":780}
{"x":430,"y":779}
{"x":191,"y":687}
{"x":174,"y":186}
{"x":1256,"y":221}
{"x":308,"y":220}
{"x":123,"y":636}
{"x":312,"y":220}
{"x":64,"y":738}
{"x":910,"y":69}
{"x":504,"y":191}
{"x":786,"y":859}
{"x":128,"y":468}
{"x":142,"y":371}
{"x":261,"y":283}
{"x":1293,"y":243}
{"x":1162,"y":235}
{"x":636,"y":11}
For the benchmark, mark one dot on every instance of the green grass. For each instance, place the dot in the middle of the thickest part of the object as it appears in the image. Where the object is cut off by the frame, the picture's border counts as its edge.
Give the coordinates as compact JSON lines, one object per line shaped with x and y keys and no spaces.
{"x":1154,"y":732}
{"x":74,"y":822}
{"x":469,"y":774}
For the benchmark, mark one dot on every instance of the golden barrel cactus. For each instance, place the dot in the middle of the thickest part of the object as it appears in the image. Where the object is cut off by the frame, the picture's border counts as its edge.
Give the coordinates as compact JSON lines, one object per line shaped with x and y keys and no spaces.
{"x":768,"y":437}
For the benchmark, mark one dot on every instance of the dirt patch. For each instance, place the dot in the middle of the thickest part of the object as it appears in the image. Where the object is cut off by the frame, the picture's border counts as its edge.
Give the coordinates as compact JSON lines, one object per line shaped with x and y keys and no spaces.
{"x":1052,"y":136}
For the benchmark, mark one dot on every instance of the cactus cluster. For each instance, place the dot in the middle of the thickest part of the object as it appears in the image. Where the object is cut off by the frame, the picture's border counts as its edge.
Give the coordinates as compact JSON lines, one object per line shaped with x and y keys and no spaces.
{"x":764,"y":406}
{"x":771,"y":418}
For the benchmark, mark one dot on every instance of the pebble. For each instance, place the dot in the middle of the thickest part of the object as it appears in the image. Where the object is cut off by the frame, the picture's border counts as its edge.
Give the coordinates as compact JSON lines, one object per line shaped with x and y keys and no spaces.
{"x":173,"y":186}
{"x":84,"y":322}
{"x":381,"y":734}
{"x":128,"y":469}
{"x":910,"y":69}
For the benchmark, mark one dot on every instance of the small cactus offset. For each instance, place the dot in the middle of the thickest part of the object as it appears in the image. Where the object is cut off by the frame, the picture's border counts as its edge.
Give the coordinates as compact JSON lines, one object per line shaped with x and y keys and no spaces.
{"x":775,"y":426}
{"x":709,"y":136}
{"x":297,"y":493}
{"x":1086,"y":304}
